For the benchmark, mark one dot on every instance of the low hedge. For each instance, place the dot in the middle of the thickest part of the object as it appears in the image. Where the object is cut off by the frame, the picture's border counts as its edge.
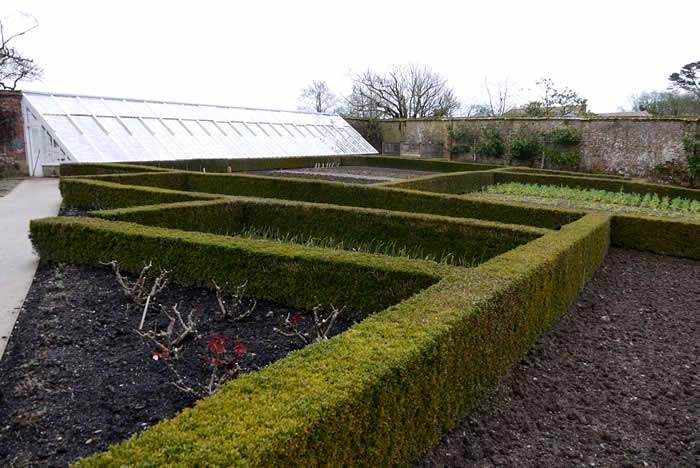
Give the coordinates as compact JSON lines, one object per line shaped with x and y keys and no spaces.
{"x":611,"y":185}
{"x":433,"y":235}
{"x":385,"y":198}
{"x":591,"y":175}
{"x":458,"y":183}
{"x":79,"y":169}
{"x":172,"y":180}
{"x":285,"y":273}
{"x":88,"y":194}
{"x":264,"y":164}
{"x":664,"y":236}
{"x":384,"y":391}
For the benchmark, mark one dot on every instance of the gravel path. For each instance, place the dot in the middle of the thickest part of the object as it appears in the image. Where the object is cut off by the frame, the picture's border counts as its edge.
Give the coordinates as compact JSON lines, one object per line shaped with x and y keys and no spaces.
{"x":616,"y":382}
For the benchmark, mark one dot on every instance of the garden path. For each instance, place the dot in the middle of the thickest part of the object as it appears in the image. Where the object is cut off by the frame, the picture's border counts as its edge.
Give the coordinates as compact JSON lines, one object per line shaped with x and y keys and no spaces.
{"x":32,"y":198}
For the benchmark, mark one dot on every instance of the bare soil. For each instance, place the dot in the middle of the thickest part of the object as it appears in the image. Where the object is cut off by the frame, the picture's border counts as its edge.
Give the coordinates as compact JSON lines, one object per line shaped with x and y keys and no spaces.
{"x":352,"y":174}
{"x":76,"y":378}
{"x":616,"y":382}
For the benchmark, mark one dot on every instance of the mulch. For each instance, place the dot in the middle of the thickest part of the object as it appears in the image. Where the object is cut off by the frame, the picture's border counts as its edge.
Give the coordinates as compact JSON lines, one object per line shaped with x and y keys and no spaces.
{"x":76,"y":378}
{"x":616,"y":382}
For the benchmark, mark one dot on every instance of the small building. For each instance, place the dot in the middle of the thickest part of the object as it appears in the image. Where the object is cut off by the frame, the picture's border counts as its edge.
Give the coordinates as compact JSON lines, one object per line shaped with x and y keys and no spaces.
{"x":50,"y":129}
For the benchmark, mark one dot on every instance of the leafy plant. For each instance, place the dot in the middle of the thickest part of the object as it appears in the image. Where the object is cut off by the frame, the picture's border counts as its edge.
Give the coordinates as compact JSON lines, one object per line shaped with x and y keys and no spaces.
{"x":692,"y":151}
{"x":561,"y":158}
{"x":525,"y":146}
{"x":564,"y":136}
{"x":490,"y":143}
{"x":460,"y":138}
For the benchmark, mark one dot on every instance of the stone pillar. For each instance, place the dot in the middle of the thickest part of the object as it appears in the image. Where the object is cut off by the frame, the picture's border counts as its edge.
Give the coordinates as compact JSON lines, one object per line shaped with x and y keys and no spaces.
{"x":13,"y":158}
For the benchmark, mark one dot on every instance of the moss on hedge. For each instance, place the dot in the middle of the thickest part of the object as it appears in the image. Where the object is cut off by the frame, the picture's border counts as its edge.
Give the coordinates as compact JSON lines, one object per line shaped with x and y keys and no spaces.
{"x":432,"y":235}
{"x":384,"y":391}
{"x":285,"y":273}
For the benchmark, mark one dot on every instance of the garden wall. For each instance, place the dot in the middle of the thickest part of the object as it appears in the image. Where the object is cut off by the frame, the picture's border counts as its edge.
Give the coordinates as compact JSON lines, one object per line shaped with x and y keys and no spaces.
{"x":631,"y":146}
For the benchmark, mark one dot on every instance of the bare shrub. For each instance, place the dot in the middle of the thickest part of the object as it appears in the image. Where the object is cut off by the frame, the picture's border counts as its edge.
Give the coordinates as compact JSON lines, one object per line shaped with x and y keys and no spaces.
{"x":322,"y":325}
{"x":237,"y":307}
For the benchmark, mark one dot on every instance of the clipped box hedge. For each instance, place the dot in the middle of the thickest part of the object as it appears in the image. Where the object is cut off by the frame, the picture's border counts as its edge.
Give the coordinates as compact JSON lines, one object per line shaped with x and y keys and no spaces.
{"x":467,"y":239}
{"x":284,"y":273}
{"x":88,"y":194}
{"x":664,"y":236}
{"x":384,"y":391}
{"x":315,"y":191}
{"x":79,"y":169}
{"x":458,"y":183}
{"x":265,"y":164}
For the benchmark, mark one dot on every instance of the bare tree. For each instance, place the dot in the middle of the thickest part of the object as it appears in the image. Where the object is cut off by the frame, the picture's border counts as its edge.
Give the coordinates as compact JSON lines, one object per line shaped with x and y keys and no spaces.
{"x":406,"y":91}
{"x":317,"y":97}
{"x":500,"y":98}
{"x":14,"y":67}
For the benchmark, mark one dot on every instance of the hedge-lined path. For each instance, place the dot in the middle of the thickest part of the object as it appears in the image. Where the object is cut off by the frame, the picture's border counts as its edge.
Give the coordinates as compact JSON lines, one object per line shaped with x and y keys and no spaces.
{"x":32,"y":198}
{"x":616,"y":382}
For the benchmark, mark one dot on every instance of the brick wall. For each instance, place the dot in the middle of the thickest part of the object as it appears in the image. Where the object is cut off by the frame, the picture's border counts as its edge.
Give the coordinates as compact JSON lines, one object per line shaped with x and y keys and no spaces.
{"x":12,"y":145}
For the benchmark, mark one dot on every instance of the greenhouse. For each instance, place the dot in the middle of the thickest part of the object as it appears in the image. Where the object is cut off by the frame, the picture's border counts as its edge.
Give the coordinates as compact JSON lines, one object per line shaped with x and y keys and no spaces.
{"x":62,"y":128}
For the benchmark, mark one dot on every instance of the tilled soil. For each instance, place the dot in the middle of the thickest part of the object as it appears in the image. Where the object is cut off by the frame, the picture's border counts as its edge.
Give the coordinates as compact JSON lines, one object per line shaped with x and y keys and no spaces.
{"x":352,"y":174}
{"x":76,"y":378}
{"x":616,"y":382}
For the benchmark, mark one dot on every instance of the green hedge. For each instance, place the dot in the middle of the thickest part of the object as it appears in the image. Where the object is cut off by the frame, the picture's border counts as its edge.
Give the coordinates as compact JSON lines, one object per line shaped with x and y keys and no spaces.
{"x":459,"y":183}
{"x":284,"y":273}
{"x":384,"y":391}
{"x":337,"y":193}
{"x":590,"y":175}
{"x":79,"y":169}
{"x":91,"y":194}
{"x":260,"y":164}
{"x":172,"y":180}
{"x":659,"y":235}
{"x":611,"y":185}
{"x":431,"y":235}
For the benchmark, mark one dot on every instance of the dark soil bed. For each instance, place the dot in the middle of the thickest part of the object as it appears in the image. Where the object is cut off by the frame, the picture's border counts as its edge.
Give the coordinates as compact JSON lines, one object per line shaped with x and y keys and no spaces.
{"x":352,"y":174}
{"x":616,"y":382}
{"x":75,"y":377}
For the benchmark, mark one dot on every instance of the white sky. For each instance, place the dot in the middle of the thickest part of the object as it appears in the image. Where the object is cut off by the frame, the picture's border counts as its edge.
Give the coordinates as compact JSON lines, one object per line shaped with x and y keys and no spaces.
{"x":261,"y":53}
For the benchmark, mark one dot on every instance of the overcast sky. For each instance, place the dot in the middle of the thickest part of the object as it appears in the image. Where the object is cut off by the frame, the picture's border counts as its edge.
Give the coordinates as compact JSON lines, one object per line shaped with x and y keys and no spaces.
{"x":261,"y":53}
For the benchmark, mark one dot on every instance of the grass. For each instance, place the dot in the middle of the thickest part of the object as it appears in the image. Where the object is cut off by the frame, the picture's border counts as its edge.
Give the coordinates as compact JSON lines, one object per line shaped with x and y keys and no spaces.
{"x":594,"y":199}
{"x":374,"y":246}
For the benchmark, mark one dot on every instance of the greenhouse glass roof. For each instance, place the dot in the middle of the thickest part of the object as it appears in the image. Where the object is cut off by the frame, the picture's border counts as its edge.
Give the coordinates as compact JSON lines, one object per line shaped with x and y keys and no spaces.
{"x":103,"y":129}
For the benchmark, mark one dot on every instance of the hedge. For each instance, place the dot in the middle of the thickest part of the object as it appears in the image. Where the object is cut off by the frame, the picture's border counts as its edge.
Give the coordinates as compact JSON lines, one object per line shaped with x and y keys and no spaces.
{"x":386,"y":198}
{"x":284,"y":273}
{"x":384,"y":391}
{"x":458,"y":183}
{"x":91,"y":194}
{"x":590,"y":175}
{"x":466,"y":239}
{"x":611,"y":185}
{"x":78,"y":169}
{"x":264,"y":164}
{"x":172,"y":180}
{"x":664,"y":236}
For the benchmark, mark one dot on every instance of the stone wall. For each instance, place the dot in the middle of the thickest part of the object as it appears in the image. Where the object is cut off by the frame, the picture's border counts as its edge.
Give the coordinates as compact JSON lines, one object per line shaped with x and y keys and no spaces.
{"x":632,"y":146}
{"x":12,"y":147}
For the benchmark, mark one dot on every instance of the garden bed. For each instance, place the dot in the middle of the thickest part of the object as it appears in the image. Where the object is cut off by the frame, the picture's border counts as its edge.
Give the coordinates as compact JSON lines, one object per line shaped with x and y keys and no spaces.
{"x":614,"y":383}
{"x":353,"y":174}
{"x":76,"y":378}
